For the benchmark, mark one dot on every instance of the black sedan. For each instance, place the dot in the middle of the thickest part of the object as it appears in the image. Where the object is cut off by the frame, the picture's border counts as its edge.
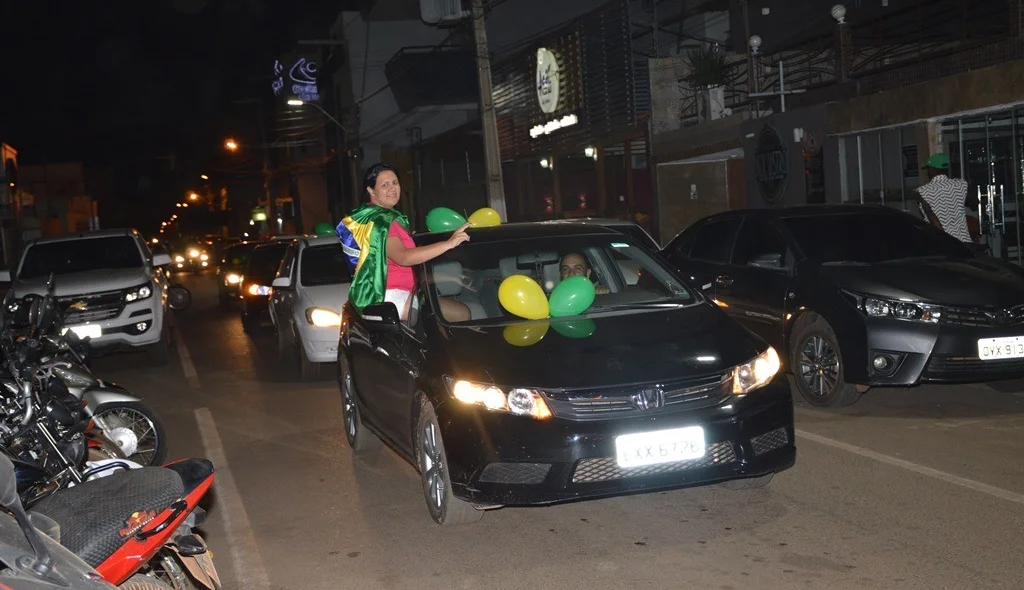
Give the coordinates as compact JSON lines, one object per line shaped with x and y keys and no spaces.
{"x":260,"y":270}
{"x":231,"y":270}
{"x":859,"y":296}
{"x":651,"y":388}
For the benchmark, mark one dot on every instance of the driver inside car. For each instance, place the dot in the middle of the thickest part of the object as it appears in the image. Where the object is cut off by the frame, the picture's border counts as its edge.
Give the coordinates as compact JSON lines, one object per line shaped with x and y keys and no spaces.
{"x":575,"y":265}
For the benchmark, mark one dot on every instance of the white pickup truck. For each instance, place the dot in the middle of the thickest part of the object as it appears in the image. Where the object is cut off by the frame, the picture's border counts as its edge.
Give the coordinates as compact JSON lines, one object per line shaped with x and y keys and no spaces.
{"x":108,"y":284}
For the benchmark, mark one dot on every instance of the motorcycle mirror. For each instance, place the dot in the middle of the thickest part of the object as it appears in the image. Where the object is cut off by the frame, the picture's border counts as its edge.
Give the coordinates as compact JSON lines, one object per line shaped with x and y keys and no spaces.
{"x":8,"y":484}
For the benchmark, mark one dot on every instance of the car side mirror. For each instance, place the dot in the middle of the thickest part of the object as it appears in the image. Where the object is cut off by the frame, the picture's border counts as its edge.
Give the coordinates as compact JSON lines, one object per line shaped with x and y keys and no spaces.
{"x":5,"y":276}
{"x":382,"y":315}
{"x":282,"y":283}
{"x":161,"y":259}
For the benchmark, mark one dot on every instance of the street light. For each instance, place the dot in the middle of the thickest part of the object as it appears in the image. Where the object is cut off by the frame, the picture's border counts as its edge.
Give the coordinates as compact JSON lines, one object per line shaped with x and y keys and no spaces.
{"x":231,"y":145}
{"x":205,"y":177}
{"x":193,"y":197}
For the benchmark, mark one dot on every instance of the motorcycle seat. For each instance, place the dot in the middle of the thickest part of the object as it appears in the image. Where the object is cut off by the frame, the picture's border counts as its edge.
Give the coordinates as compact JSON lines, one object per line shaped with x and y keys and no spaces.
{"x":97,"y":517}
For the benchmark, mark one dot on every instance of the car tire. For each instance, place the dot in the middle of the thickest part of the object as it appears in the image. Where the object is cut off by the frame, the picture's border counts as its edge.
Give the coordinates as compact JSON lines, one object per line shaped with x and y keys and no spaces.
{"x":817,"y":365}
{"x":249,"y":323}
{"x":749,"y":483}
{"x":308,"y":370}
{"x":358,"y":437}
{"x":444,"y":507}
{"x":284,"y":351}
{"x":160,"y":352}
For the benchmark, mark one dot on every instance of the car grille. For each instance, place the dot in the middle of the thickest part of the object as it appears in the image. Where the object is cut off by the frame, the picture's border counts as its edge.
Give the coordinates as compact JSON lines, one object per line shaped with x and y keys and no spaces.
{"x":769,"y":441}
{"x":607,"y":468}
{"x":515,"y":473}
{"x":97,"y":307}
{"x":950,"y":367}
{"x":988,"y":317}
{"x":616,"y":402}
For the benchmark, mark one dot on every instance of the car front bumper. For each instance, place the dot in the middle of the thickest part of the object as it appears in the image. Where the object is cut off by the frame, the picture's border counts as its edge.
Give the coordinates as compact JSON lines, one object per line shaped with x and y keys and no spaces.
{"x":320,"y":344}
{"x":931,"y":353}
{"x":501,"y":459}
{"x":122,"y":331}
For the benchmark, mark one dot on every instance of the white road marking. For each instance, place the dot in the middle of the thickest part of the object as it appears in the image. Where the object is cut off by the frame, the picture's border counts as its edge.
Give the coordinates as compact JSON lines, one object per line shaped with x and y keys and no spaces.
{"x":920,"y":469}
{"x":186,"y":360}
{"x":245,"y":553}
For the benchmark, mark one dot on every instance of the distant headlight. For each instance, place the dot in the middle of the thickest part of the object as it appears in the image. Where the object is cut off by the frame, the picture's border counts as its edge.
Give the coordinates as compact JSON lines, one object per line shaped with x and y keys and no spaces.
{"x":193,"y":253}
{"x":322,"y":318}
{"x":257,"y":290}
{"x":138,"y":293}
{"x":878,"y":307}
{"x":522,"y":402}
{"x":757,"y":373}
{"x":233,"y":279}
{"x":179,"y":258}
{"x":204,"y":257}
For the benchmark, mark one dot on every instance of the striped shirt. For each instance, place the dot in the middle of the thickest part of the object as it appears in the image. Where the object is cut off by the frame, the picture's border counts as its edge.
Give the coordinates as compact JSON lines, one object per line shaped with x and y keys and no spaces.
{"x":946,"y":197}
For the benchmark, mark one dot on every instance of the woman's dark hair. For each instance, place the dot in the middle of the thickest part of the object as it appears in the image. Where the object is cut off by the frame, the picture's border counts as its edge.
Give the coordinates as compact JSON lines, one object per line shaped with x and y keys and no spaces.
{"x":370,"y":176}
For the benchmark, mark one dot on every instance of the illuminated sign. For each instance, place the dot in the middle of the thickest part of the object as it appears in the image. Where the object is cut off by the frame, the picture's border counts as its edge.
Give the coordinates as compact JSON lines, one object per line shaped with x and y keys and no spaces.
{"x":296,"y":79}
{"x":547,"y":81}
{"x":554,"y":125}
{"x":259,"y":214}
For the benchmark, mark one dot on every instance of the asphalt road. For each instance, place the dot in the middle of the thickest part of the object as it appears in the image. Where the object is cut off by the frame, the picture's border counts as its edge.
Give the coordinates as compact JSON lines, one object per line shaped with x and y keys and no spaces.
{"x":919,"y":488}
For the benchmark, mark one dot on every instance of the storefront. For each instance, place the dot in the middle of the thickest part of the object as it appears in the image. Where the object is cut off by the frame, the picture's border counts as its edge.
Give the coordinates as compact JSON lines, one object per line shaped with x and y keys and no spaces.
{"x":572,"y":122}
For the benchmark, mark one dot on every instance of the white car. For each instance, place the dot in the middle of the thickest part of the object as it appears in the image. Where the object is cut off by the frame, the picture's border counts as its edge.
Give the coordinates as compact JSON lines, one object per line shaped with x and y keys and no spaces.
{"x":108,"y":284}
{"x":305,"y":305}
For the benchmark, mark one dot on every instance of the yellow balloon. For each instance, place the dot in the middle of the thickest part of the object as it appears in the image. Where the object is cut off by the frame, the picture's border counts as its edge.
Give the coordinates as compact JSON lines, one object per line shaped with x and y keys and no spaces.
{"x":525,"y":334}
{"x":485,"y":217}
{"x":522,"y":296}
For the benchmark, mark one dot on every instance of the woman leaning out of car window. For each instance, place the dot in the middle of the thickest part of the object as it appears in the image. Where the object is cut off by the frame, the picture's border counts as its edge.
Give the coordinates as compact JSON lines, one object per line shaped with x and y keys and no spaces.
{"x":388,"y":276}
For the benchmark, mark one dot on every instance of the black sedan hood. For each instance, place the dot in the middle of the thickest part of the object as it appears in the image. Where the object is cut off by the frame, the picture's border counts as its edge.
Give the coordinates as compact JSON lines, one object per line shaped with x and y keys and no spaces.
{"x":616,"y":349}
{"x":950,"y":281}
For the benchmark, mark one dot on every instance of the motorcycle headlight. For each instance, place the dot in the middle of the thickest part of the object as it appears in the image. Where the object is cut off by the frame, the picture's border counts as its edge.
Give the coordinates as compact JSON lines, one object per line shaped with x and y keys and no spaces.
{"x":757,"y":373}
{"x":879,"y":307}
{"x":518,"y":401}
{"x":322,"y":318}
{"x":138,"y":293}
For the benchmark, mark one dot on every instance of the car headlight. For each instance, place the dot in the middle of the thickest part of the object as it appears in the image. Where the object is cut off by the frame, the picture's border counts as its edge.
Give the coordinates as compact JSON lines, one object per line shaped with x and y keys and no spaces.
{"x":519,"y":401}
{"x":257,"y":290}
{"x":138,"y":293}
{"x":204,"y":257}
{"x":878,"y":307}
{"x":757,"y":373}
{"x":322,"y":318}
{"x":193,"y":253}
{"x":179,"y":258}
{"x":233,"y":279}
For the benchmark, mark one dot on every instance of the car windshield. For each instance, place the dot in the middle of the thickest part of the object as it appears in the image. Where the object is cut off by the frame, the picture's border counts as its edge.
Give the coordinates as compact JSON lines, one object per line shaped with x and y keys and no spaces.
{"x":265,"y":260}
{"x":324,"y":265}
{"x":82,"y":255}
{"x":624,"y":275}
{"x":238,"y":256}
{"x":638,"y":234}
{"x":869,"y":238}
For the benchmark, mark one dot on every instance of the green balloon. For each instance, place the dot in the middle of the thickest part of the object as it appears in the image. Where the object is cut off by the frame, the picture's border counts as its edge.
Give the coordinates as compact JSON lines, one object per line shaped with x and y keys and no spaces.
{"x":444,"y":219}
{"x":580,"y":328}
{"x":571,"y":297}
{"x":323,"y":229}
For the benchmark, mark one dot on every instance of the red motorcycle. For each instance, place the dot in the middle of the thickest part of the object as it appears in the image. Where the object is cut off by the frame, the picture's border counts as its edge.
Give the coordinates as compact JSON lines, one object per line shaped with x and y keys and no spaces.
{"x":139,"y":521}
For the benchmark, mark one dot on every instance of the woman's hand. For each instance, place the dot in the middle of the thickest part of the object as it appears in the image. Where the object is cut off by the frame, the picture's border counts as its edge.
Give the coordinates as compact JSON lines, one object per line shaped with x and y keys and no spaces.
{"x":458,"y":236}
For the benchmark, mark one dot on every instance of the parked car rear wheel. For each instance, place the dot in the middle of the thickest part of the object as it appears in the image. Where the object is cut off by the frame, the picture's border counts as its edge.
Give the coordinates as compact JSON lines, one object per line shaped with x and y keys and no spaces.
{"x":817,"y":365}
{"x":444,"y":507}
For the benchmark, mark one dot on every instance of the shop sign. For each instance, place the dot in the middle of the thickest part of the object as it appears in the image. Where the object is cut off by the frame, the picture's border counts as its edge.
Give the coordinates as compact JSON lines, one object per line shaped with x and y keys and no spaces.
{"x":547,"y":81}
{"x":771,"y":162}
{"x":259,"y":214}
{"x":554,"y":125}
{"x":296,"y":79}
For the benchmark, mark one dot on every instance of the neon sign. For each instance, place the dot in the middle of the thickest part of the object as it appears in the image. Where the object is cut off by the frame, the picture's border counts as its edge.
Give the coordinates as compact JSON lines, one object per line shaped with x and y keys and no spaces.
{"x":553,"y":125}
{"x":300,"y":79}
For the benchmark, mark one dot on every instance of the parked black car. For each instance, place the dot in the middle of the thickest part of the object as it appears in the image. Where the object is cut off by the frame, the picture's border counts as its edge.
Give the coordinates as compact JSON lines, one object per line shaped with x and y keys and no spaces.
{"x":256,"y":283}
{"x":858,"y":296}
{"x":231,"y":270}
{"x":652,"y":388}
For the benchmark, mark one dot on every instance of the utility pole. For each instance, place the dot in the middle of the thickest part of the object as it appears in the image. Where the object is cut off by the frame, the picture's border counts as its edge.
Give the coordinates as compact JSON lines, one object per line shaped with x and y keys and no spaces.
{"x":492,"y":151}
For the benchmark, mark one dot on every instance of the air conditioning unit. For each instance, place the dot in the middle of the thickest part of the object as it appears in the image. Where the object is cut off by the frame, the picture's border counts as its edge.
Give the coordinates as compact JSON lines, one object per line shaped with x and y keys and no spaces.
{"x":442,"y":12}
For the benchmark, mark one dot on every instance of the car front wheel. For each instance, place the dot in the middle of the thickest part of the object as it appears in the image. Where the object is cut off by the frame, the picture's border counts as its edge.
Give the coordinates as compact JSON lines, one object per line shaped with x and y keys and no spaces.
{"x":444,"y":507}
{"x":817,"y":364}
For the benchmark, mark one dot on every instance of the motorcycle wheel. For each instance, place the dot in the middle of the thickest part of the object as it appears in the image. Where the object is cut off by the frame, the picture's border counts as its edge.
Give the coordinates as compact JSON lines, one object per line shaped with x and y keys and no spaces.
{"x":135,"y":428}
{"x":179,"y":298}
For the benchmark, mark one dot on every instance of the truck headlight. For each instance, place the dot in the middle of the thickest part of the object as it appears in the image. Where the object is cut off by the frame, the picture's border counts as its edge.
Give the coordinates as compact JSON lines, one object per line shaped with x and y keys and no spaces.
{"x":757,"y":373}
{"x":519,"y":401}
{"x":138,"y":293}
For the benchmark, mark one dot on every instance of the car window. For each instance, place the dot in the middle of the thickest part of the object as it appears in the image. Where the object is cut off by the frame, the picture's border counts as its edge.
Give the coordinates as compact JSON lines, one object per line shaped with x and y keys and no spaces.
{"x":83,"y":255}
{"x":713,"y":241}
{"x":265,"y":260}
{"x":869,"y":237}
{"x":324,"y":265}
{"x":625,"y":275}
{"x":288,"y":262}
{"x":237,"y":256}
{"x":761,"y":245}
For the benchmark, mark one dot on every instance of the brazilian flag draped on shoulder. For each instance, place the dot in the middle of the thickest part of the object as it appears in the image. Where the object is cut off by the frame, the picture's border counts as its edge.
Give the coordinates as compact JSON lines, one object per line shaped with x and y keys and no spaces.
{"x":364,"y":239}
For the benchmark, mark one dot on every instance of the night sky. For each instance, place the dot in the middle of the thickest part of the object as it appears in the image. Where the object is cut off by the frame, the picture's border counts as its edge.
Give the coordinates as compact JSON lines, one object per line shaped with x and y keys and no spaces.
{"x":103,"y":81}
